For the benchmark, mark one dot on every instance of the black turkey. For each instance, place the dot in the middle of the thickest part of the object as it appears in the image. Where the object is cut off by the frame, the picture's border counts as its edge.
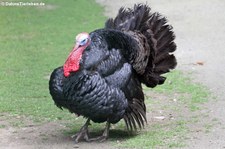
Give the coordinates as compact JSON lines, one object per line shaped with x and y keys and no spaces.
{"x":101,"y":78}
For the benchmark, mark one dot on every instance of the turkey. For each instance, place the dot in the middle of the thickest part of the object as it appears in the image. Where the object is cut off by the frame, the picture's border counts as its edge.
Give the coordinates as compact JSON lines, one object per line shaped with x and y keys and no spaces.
{"x":102,"y":77}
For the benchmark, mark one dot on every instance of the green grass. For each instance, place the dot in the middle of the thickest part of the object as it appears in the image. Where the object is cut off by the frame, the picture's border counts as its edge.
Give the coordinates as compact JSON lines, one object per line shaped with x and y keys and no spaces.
{"x":191,"y":94}
{"x":159,"y":135}
{"x":35,"y":40}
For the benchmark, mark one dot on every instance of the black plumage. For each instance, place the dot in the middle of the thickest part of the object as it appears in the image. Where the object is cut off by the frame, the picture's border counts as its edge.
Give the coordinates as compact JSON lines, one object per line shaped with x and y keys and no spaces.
{"x":132,"y":49}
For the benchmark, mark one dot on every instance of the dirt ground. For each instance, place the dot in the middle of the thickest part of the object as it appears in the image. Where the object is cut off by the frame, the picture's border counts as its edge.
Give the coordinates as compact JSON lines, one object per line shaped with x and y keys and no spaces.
{"x":200,"y":30}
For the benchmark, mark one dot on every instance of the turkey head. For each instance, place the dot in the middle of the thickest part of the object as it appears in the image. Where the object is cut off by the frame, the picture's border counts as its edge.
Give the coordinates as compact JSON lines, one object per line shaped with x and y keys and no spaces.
{"x":72,"y":63}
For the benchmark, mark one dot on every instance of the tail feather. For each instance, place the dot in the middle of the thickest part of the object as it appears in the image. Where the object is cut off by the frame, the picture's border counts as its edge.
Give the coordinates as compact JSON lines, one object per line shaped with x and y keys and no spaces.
{"x":163,"y":45}
{"x":156,"y":22}
{"x":165,"y":41}
{"x":159,"y":36}
{"x":135,"y":115}
{"x":163,"y":34}
{"x":129,"y":19}
{"x":165,"y":64}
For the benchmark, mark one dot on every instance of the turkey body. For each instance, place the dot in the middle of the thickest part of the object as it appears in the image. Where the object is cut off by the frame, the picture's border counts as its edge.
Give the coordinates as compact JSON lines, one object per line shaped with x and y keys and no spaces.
{"x":132,"y":49}
{"x":105,"y":84}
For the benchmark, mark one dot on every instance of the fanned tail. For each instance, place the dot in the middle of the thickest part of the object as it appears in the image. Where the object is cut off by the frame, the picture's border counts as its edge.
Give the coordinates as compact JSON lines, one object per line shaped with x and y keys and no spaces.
{"x":162,"y":42}
{"x":159,"y":36}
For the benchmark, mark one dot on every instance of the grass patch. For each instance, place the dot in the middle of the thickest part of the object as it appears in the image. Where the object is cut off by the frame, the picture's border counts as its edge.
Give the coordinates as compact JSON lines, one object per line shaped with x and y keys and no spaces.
{"x":170,"y":135}
{"x":34,"y":41}
{"x":191,"y":94}
{"x":2,"y":126}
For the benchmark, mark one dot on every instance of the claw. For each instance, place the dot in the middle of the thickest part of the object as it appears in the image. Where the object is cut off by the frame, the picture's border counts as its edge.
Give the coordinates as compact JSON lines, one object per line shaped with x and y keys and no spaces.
{"x":100,"y":138}
{"x":83,"y":134}
{"x":104,"y":136}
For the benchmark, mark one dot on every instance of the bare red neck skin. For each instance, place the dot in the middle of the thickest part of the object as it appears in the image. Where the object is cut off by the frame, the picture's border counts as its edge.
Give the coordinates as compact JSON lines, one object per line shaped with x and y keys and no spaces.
{"x":72,"y":62}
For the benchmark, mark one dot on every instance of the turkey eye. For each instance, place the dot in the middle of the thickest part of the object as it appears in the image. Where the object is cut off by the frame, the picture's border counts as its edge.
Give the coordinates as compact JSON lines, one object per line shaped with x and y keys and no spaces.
{"x":83,"y":42}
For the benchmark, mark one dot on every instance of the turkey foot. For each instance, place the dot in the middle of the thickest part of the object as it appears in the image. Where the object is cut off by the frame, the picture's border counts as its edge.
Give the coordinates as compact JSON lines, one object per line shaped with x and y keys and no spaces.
{"x":104,"y":136}
{"x":83,"y":134}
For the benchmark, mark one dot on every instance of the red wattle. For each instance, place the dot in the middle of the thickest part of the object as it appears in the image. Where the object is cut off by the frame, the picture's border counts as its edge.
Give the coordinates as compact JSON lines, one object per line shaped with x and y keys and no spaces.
{"x":72,"y":62}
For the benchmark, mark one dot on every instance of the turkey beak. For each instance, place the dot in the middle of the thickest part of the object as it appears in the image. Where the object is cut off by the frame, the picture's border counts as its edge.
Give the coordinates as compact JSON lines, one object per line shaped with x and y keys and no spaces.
{"x":76,"y":46}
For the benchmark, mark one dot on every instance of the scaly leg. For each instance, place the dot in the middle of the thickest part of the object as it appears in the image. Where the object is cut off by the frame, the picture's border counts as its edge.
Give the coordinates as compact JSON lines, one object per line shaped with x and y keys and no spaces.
{"x":83,"y":133}
{"x":105,"y":134}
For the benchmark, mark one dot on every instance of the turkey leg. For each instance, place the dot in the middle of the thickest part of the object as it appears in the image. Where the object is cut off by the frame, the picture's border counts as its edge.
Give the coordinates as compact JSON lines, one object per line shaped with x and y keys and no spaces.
{"x":105,"y":134}
{"x":83,"y":133}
